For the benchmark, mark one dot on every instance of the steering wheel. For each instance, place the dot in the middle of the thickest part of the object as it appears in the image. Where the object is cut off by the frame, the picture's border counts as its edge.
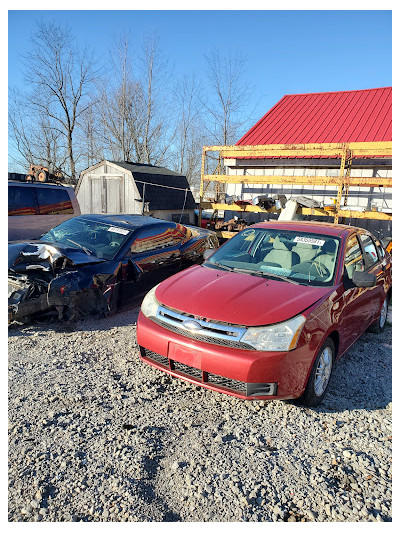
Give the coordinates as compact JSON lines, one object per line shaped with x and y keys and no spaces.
{"x":114,"y":244}
{"x":322,"y":270}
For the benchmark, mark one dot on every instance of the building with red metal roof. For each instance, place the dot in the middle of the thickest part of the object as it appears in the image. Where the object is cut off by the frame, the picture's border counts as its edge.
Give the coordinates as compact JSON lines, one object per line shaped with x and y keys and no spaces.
{"x":331,"y":117}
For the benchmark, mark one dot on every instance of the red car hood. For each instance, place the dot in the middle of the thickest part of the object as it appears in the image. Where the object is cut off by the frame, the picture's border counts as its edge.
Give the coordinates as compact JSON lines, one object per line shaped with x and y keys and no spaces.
{"x":236,"y":298}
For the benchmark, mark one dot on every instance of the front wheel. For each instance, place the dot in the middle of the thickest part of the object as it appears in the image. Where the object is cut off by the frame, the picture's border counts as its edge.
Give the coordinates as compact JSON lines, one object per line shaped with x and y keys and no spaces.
{"x":320,"y":376}
{"x":379,"y":325}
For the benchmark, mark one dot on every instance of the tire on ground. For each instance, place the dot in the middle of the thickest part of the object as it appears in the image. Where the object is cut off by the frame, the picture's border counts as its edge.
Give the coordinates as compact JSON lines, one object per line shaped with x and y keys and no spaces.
{"x":317,"y":385}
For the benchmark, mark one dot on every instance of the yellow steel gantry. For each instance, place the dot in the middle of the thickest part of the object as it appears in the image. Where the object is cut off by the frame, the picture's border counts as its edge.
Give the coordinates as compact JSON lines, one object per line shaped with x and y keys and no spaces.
{"x":343,"y":151}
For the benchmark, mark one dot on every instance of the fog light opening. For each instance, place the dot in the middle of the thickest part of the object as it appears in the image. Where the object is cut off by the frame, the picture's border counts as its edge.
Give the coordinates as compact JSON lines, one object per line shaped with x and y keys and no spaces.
{"x":261,"y":389}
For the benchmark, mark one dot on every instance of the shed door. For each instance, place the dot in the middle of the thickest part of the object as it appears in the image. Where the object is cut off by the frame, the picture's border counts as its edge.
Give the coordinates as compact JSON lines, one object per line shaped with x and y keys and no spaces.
{"x":106,"y":194}
{"x":95,"y":195}
{"x":112,"y":188}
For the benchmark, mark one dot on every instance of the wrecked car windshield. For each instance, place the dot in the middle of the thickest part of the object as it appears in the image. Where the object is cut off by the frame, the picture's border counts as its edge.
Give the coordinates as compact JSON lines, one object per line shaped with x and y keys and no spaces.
{"x":89,"y":236}
{"x":306,"y":258}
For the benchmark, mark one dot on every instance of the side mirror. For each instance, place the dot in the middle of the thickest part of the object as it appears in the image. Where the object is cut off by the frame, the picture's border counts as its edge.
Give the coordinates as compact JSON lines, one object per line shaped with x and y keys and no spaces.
{"x":364,"y":279}
{"x":207,"y":253}
{"x":133,"y":272}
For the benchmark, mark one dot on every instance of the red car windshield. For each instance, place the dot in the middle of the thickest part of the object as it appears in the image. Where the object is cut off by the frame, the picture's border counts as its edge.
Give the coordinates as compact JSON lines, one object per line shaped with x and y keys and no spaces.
{"x":291,"y":256}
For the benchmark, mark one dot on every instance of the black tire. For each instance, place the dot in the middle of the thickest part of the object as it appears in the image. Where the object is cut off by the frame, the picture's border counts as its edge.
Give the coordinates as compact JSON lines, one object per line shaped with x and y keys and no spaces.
{"x":317,"y":385}
{"x":379,"y":325}
{"x":42,"y":175}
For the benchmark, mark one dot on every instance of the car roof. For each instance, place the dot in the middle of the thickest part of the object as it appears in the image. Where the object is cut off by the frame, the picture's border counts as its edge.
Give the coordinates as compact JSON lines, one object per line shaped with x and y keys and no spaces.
{"x":131,"y":221}
{"x":303,"y":226}
{"x":39,"y":184}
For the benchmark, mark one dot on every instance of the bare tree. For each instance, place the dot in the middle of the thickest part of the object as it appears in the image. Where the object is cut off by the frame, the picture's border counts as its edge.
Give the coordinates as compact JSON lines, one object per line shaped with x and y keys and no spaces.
{"x":227,"y":97}
{"x":61,"y":78}
{"x":34,"y":137}
{"x":135,"y":110}
{"x":89,"y":137}
{"x":115,"y":103}
{"x":189,"y":130}
{"x":156,"y":105}
{"x":20,"y":134}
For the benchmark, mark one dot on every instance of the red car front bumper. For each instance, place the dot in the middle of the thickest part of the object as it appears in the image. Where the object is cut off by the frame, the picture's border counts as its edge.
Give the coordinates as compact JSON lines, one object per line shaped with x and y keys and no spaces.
{"x":247,"y":374}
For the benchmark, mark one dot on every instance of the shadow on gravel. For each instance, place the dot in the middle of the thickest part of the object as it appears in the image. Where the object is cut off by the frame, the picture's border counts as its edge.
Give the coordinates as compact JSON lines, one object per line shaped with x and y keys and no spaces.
{"x":151,"y":464}
{"x":362,"y":377}
{"x":124,"y":318}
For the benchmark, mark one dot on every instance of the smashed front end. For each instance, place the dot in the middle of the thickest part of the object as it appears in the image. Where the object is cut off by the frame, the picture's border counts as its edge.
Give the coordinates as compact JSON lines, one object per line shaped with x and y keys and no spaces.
{"x":25,"y":297}
{"x":45,"y":281}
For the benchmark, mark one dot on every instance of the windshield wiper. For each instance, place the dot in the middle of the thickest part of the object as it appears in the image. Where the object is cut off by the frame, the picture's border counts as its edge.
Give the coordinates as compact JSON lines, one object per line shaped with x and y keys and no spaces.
{"x":264,"y":274}
{"x":225,"y":267}
{"x":248,"y":271}
{"x":277,"y":276}
{"x":88,"y":252}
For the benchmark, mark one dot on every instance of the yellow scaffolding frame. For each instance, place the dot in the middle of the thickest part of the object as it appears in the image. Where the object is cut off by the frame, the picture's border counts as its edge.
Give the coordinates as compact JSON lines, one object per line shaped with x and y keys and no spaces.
{"x":343,"y":151}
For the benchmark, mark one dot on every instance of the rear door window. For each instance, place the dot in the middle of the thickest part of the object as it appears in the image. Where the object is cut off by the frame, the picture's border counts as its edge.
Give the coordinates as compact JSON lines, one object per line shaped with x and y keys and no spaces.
{"x":155,"y":238}
{"x":21,"y":201}
{"x":54,"y":202}
{"x":370,"y":251}
{"x":354,"y":260}
{"x":380,"y":249}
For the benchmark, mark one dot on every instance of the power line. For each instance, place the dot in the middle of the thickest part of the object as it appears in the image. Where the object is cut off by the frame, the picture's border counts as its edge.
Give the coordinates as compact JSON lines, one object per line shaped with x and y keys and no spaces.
{"x":159,"y":185}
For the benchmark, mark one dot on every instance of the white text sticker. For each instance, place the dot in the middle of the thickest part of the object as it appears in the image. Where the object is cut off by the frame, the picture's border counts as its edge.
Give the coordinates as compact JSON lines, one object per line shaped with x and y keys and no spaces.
{"x":121,"y":231}
{"x":308,"y":240}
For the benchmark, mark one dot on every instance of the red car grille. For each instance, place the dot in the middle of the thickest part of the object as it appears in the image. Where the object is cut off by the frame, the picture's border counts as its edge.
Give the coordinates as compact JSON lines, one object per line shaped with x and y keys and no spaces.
{"x":203,"y":338}
{"x":190,"y":371}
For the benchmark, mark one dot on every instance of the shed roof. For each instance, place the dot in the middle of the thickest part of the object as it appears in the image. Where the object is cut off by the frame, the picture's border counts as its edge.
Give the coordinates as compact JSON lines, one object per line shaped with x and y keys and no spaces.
{"x":160,"y":182}
{"x":331,"y":117}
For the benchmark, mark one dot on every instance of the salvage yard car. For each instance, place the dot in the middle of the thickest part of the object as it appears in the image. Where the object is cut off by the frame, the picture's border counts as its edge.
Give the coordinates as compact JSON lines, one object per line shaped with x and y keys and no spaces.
{"x":98,"y":264}
{"x":34,"y":208}
{"x":269,"y":312}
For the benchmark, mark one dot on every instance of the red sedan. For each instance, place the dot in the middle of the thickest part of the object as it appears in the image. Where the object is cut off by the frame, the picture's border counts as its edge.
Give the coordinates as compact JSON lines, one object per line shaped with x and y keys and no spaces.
{"x":268,"y":313}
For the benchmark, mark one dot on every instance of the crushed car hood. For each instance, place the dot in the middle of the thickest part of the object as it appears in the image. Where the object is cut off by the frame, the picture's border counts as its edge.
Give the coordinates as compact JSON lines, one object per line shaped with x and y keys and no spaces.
{"x":39,"y":255}
{"x":236,"y":298}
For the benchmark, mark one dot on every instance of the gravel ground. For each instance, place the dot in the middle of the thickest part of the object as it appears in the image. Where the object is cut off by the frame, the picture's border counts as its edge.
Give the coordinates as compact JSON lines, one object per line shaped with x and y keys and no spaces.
{"x":96,"y":435}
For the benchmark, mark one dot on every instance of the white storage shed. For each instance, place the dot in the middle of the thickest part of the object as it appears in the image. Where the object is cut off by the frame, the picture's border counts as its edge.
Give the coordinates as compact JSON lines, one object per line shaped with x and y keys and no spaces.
{"x":114,"y":187}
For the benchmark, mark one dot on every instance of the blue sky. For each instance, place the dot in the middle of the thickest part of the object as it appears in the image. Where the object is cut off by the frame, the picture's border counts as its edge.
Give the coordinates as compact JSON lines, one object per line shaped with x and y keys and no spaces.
{"x":287,"y":51}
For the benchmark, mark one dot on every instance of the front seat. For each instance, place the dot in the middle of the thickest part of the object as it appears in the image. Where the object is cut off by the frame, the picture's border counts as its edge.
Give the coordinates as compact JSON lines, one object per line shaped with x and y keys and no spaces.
{"x":305,"y":251}
{"x":327,"y":256}
{"x":281,"y":255}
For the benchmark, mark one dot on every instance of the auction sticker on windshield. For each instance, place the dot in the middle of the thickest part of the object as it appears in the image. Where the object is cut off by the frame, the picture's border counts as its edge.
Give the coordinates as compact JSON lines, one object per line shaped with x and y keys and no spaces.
{"x":310,"y":240}
{"x":121,"y":231}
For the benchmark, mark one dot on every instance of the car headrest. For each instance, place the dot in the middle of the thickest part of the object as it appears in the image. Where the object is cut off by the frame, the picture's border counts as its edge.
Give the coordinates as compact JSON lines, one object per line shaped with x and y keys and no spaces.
{"x":303,"y":246}
{"x":329,"y":247}
{"x":279,"y":245}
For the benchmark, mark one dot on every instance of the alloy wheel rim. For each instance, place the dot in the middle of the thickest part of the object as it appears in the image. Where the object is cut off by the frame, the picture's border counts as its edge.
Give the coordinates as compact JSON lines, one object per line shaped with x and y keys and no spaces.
{"x":384,"y":310}
{"x":323,"y":371}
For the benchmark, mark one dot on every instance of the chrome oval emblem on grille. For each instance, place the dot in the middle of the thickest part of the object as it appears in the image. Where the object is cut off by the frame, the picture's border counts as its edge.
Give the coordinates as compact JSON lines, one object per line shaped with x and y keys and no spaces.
{"x":191,"y":325}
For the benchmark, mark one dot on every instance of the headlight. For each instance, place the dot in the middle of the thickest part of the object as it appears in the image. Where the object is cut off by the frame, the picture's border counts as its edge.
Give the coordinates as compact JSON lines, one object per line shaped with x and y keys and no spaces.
{"x":150,"y":304}
{"x":276,"y":338}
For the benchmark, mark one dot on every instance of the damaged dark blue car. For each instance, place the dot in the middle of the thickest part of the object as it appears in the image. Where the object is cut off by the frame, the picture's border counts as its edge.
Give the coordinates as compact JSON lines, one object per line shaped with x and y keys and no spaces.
{"x":98,"y":264}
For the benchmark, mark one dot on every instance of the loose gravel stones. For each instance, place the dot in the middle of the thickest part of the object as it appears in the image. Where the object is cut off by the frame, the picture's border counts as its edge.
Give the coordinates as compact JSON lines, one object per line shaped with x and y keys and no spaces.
{"x":97,"y":436}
